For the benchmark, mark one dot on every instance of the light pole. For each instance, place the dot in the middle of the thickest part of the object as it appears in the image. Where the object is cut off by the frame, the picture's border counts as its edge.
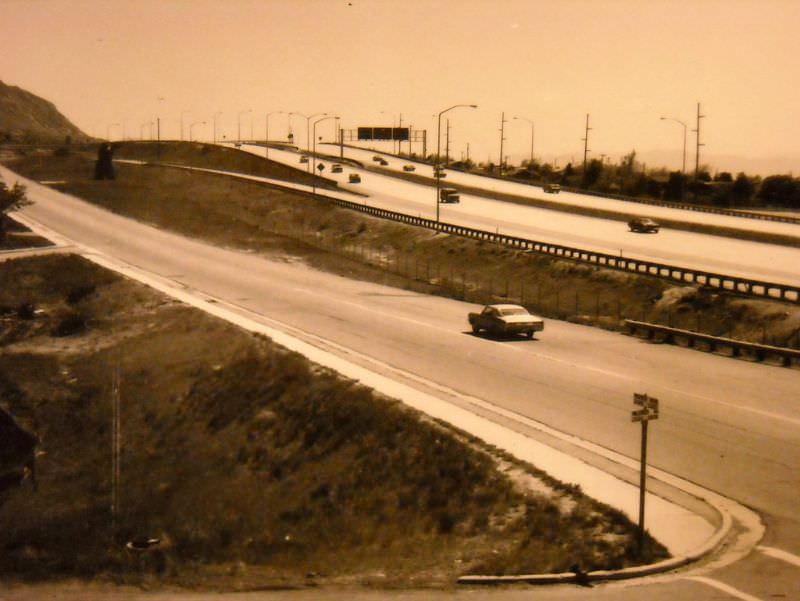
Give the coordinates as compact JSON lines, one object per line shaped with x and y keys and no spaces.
{"x":683,"y":170}
{"x":437,"y":168}
{"x":266,"y":133}
{"x":239,"y":124}
{"x":314,"y":151}
{"x":215,"y":125}
{"x":533,"y":133}
{"x":308,"y":129}
{"x":192,"y":125}
{"x":182,"y":114}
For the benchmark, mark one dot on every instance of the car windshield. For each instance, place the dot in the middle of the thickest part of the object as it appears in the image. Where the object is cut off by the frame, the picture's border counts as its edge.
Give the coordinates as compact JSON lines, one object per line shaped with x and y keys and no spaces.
{"x":513,"y":311}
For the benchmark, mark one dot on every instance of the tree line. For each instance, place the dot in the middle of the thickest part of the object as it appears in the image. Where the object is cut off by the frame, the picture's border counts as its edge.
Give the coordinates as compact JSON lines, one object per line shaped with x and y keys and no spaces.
{"x":629,"y":177}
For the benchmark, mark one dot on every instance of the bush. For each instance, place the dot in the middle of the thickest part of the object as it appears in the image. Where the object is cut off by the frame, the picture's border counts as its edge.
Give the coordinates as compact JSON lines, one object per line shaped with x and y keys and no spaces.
{"x":780,"y":190}
{"x":69,"y":325}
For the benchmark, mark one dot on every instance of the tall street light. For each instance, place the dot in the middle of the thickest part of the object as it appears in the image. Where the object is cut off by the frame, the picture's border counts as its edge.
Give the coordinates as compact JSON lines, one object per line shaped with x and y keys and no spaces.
{"x":215,"y":125}
{"x":239,"y":124}
{"x":314,"y":151}
{"x":437,"y":169}
{"x":533,"y":133}
{"x":308,"y":129}
{"x":182,"y":114}
{"x":192,"y":125}
{"x":266,"y":133}
{"x":683,"y":170}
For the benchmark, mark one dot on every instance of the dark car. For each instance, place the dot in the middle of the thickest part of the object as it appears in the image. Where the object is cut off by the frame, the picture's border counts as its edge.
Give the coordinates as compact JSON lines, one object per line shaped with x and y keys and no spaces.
{"x":505,"y":319}
{"x":643,"y":225}
{"x":336,"y":168}
{"x":551,"y":188}
{"x":354,"y":178}
{"x":409,"y":168}
{"x":383,"y":162}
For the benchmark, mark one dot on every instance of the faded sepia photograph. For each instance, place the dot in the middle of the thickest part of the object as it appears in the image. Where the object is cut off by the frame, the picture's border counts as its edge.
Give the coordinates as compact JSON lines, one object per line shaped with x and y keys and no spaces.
{"x":405,"y":300}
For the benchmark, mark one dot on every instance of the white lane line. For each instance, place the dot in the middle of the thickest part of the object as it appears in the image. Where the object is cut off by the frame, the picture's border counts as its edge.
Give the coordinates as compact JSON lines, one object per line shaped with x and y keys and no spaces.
{"x":733,"y":592}
{"x":780,"y":554}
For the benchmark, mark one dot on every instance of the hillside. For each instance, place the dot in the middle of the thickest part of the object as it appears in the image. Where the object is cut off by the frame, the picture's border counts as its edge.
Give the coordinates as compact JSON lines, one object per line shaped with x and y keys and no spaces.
{"x":25,"y":117}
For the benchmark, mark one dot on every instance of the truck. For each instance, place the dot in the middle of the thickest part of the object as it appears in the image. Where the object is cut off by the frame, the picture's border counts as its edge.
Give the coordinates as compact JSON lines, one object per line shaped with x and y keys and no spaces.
{"x":449,"y":195}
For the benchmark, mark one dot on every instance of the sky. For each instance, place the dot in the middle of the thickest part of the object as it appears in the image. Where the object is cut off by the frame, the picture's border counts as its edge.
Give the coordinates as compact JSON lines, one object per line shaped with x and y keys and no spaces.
{"x":113,"y":66}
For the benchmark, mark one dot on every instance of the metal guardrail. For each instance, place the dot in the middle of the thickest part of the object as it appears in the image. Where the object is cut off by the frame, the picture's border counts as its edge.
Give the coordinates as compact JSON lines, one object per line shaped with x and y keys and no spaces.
{"x":735,"y":284}
{"x":713,"y":343}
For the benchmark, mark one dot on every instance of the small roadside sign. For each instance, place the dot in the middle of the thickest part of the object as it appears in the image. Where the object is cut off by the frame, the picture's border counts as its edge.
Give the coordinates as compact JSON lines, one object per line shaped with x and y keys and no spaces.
{"x":648,"y":411}
{"x":321,"y":167}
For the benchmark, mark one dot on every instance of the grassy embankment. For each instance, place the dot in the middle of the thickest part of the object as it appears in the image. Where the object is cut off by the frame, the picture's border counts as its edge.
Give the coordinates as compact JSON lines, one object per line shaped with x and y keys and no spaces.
{"x":252,"y":466}
{"x":248,"y":215}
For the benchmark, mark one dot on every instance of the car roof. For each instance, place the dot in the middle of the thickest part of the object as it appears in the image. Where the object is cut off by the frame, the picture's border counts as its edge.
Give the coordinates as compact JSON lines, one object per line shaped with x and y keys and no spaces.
{"x":507,"y":306}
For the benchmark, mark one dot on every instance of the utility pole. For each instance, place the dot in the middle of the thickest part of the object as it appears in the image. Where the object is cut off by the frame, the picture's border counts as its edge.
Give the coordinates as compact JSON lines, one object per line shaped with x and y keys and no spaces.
{"x":399,"y":141}
{"x":502,"y":139}
{"x":697,"y":151}
{"x":586,"y":142}
{"x":467,"y":152}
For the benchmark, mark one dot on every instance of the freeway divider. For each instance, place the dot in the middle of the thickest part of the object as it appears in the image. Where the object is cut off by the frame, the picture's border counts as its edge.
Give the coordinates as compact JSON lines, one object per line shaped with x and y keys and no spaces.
{"x":712,"y":344}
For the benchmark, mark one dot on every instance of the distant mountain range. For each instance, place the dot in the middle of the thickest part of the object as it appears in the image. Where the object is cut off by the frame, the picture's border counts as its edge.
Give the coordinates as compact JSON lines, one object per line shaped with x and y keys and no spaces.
{"x":25,"y":117}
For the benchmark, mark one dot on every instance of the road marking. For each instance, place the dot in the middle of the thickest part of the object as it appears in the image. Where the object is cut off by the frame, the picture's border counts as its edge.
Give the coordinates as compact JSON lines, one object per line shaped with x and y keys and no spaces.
{"x":780,"y":554}
{"x":724,"y":588}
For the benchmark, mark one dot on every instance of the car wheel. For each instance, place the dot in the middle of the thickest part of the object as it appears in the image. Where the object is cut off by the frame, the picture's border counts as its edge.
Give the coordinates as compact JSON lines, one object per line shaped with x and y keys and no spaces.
{"x":475,"y":329}
{"x":529,"y":334}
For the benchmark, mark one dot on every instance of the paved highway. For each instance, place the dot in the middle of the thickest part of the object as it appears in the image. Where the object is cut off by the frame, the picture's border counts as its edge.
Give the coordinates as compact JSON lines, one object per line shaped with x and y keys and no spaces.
{"x":729,"y":425}
{"x":719,"y":254}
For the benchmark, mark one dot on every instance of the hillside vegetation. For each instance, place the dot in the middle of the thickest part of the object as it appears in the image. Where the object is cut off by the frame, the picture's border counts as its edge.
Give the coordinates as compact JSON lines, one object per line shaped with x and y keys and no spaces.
{"x":26,"y":118}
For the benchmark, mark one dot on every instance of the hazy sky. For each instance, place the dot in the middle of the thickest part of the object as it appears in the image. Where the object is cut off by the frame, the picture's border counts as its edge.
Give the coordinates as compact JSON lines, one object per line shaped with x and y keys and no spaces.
{"x":625,"y":62}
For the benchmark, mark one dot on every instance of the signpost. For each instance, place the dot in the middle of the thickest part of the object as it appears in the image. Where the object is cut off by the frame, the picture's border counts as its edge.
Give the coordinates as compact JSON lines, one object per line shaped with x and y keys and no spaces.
{"x":648,"y":411}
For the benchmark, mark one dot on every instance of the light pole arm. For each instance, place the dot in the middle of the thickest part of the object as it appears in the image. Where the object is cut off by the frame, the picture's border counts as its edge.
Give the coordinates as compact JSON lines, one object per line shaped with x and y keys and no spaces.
{"x":436,"y":170}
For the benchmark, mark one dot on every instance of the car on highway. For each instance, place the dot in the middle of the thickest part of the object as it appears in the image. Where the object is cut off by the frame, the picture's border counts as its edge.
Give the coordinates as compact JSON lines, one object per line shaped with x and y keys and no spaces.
{"x":377,"y":158}
{"x":505,"y":320}
{"x":449,"y":196}
{"x":551,"y":188}
{"x":439,"y":172}
{"x":336,"y":168}
{"x":354,"y":178}
{"x":409,"y":168}
{"x":643,"y":225}
{"x":303,"y":159}
{"x":383,"y":162}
